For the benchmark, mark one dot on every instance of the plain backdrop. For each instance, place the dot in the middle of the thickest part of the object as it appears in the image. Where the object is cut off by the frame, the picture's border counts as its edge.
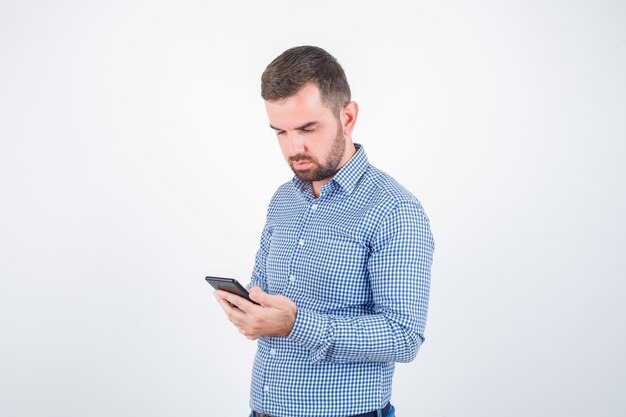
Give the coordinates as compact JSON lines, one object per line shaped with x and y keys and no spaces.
{"x":136,"y":157}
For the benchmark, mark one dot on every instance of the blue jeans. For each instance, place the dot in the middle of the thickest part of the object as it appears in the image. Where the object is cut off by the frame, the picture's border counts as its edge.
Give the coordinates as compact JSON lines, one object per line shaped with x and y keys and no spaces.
{"x":391,"y":413}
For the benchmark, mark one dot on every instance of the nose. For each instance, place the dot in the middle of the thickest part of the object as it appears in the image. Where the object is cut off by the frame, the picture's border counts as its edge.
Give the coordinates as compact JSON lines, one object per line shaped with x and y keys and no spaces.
{"x":295,"y":144}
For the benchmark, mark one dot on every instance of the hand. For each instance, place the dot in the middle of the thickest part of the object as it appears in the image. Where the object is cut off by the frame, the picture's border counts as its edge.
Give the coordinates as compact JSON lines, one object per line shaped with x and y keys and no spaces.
{"x":275,"y":315}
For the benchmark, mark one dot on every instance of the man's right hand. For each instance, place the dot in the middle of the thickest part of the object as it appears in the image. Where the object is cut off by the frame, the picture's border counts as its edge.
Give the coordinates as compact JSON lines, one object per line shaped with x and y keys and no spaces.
{"x":275,"y":315}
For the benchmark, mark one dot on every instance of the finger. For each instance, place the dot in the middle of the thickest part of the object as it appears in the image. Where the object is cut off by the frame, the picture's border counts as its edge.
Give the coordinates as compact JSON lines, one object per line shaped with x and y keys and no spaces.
{"x":237,"y":301}
{"x":232,"y":312}
{"x":226,"y":306}
{"x":268,"y":300}
{"x":248,"y":335}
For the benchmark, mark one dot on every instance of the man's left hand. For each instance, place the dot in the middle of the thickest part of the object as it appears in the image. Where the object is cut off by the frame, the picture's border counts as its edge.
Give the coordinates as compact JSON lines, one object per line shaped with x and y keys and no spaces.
{"x":275,"y":315}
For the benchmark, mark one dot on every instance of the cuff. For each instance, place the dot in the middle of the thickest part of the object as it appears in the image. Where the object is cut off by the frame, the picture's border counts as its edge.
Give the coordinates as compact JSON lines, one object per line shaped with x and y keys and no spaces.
{"x":310,"y":330}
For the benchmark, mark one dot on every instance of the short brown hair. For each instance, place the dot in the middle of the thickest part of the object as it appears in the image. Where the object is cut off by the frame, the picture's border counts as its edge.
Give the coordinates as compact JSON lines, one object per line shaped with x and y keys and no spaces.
{"x":295,"y":67}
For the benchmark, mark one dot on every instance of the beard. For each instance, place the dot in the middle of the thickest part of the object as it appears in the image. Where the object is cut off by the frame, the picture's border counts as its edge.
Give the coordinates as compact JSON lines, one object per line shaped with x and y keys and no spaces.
{"x":321,"y":170}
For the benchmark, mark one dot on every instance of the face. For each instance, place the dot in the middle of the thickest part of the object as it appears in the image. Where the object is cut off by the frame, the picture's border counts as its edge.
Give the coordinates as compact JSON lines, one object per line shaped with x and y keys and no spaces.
{"x":311,"y":137}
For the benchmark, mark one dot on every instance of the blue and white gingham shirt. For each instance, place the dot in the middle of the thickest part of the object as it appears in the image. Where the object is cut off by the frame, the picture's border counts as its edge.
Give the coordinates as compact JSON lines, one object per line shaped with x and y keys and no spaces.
{"x":356,"y":261}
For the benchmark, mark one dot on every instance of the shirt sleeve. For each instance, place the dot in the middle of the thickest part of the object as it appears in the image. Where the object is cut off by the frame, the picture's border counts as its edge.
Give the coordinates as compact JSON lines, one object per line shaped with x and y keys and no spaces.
{"x":258,"y":273}
{"x":399,"y":273}
{"x":259,"y":278}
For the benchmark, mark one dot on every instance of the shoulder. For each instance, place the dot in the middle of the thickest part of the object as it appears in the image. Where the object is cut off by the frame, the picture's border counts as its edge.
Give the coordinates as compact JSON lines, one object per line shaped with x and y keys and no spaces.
{"x":398,"y":215}
{"x":287,"y":191}
{"x":286,"y":198}
{"x":386,"y":192}
{"x":385,"y":208}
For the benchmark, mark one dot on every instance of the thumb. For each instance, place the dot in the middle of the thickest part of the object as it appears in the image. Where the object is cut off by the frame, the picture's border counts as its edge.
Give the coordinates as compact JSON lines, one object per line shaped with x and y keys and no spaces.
{"x":260,"y":296}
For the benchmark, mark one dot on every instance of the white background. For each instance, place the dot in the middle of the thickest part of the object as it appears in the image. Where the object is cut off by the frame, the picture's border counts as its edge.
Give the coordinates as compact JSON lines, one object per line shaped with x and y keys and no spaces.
{"x":135,"y":157}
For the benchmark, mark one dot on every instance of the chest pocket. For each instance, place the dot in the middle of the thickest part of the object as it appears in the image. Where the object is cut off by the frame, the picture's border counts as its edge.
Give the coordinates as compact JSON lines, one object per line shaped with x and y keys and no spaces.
{"x":332,"y":266}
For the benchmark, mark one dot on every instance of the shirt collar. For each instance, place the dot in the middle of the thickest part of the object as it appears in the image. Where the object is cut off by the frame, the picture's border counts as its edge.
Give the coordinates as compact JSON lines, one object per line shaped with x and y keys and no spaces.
{"x":347,"y":177}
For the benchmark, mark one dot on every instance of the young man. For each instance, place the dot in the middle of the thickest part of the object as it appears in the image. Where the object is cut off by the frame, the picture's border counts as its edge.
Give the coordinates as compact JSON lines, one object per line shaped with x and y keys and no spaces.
{"x":343,"y":271}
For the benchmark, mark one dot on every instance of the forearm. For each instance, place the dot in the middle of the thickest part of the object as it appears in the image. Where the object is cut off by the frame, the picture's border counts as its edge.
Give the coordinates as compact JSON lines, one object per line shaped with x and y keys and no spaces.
{"x":370,"y":338}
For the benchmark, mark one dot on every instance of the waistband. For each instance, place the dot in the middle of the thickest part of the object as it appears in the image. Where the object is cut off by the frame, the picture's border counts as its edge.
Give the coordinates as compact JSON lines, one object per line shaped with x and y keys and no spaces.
{"x":375,"y":413}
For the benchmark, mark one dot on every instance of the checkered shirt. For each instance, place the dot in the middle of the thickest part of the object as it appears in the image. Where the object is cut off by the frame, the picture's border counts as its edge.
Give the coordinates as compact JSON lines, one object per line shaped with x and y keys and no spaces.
{"x":356,"y":261}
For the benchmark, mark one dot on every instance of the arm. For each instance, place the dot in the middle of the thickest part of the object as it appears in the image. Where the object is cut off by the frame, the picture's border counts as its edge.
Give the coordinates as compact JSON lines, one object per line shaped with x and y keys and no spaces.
{"x":399,"y":273}
{"x":259,"y":278}
{"x":258,"y":272}
{"x":276,"y":313}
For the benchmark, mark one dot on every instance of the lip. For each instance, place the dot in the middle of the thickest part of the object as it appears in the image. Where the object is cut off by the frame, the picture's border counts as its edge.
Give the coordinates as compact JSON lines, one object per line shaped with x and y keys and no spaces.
{"x":302,"y":165}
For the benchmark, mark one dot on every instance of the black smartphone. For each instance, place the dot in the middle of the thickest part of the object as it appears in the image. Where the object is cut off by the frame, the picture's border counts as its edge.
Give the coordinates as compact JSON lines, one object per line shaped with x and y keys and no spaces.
{"x":230,"y":285}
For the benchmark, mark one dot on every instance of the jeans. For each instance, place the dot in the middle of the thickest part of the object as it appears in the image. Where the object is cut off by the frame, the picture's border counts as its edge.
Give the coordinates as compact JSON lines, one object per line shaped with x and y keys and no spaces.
{"x":391,"y":413}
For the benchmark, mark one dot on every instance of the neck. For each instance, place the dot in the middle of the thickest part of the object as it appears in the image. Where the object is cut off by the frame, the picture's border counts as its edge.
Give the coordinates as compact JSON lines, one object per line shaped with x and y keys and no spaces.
{"x":317,"y":185}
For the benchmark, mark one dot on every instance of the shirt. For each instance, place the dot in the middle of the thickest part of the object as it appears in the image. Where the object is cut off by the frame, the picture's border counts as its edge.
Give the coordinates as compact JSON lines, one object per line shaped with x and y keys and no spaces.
{"x":356,"y":262}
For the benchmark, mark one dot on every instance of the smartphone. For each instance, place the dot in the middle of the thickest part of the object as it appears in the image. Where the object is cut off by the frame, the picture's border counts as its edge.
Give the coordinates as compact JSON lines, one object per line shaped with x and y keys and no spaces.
{"x":230,"y":285}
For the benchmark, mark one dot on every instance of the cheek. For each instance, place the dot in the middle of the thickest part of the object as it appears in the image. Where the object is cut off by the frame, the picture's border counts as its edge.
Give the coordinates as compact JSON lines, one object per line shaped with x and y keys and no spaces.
{"x":284,"y":147}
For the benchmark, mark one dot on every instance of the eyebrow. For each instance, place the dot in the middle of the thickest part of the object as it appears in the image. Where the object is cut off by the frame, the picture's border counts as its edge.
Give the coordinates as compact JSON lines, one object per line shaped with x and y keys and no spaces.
{"x":304,"y":126}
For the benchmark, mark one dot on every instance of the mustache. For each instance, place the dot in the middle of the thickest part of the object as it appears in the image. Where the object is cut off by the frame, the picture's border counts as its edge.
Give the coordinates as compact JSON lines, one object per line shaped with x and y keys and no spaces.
{"x":300,"y":157}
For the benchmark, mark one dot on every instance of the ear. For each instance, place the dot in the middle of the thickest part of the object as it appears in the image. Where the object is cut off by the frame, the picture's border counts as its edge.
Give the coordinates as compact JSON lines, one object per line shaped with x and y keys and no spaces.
{"x":347,"y":116}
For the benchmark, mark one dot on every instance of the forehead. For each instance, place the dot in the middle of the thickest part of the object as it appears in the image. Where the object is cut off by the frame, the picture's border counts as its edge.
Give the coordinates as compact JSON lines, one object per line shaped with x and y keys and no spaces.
{"x":303,"y":107}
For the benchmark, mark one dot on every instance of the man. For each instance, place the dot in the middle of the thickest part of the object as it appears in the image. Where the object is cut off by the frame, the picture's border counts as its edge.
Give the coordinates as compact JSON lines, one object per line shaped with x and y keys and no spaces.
{"x":343,"y":270}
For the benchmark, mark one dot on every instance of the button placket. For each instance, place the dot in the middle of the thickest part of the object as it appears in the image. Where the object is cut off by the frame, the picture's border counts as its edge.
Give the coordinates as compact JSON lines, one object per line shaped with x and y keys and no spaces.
{"x":312,"y":208}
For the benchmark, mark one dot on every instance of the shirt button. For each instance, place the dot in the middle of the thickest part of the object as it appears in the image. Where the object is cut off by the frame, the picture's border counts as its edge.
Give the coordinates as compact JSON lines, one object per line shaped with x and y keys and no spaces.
{"x":266,"y":388}
{"x":272,"y":351}
{"x":301,"y":242}
{"x":314,"y":207}
{"x":292,"y":278}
